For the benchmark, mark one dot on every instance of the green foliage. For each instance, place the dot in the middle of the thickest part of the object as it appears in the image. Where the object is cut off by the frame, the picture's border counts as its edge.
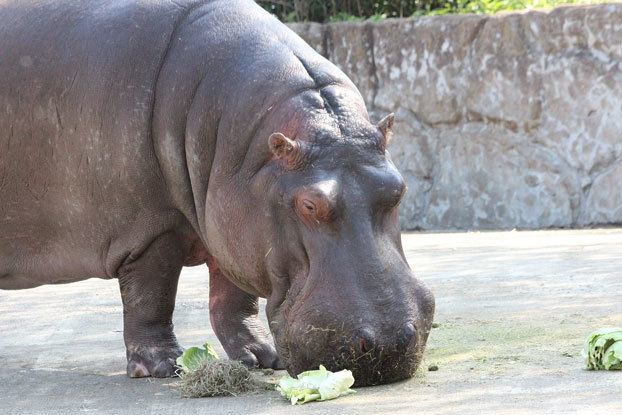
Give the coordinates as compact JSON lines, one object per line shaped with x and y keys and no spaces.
{"x":346,"y":10}
{"x":329,"y":11}
{"x":343,"y":17}
{"x":494,"y":6}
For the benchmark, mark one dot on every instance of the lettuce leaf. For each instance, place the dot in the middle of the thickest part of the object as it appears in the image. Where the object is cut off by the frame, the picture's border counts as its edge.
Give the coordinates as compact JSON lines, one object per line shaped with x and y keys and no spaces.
{"x":316,"y":385}
{"x":613,"y":356}
{"x":191,"y":358}
{"x":603,"y":349}
{"x":336,"y":384}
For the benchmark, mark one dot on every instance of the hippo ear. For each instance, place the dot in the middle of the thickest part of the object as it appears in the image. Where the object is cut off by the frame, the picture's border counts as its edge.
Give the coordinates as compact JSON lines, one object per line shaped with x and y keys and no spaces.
{"x":385,"y":126}
{"x":283,"y":148}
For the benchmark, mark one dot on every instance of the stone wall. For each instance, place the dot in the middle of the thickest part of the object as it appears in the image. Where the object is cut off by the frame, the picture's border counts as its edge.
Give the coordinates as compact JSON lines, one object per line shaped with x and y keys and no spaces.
{"x":505,"y":121}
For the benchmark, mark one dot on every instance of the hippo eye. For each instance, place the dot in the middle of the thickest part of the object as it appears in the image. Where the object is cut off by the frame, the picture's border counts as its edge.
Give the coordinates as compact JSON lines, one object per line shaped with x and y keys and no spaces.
{"x":314,"y":209}
{"x":308,"y":206}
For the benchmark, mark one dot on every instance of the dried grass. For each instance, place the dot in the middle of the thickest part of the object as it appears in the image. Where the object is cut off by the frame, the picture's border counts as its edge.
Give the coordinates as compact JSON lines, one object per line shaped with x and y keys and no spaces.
{"x":218,"y":378}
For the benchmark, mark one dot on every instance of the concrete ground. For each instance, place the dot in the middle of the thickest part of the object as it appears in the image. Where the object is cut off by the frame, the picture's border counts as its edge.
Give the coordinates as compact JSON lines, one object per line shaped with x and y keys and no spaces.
{"x":513,"y":309}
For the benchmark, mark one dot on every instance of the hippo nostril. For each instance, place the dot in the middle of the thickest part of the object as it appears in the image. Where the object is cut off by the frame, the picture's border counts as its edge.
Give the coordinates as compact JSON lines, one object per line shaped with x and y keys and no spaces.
{"x":362,"y":345}
{"x":407,"y":334}
{"x":365,"y":340}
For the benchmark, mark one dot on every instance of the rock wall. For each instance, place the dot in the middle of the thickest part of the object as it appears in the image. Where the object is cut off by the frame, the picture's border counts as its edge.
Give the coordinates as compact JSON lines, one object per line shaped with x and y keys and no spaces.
{"x":505,"y":121}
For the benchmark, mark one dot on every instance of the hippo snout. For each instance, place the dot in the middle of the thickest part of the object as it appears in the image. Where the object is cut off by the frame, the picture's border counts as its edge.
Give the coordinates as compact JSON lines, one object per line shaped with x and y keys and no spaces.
{"x":380,"y":338}
{"x":376,"y":354}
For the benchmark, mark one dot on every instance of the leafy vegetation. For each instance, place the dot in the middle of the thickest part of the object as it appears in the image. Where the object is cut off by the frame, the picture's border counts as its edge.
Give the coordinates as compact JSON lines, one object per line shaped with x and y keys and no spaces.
{"x":314,"y":385}
{"x":328,"y":11}
{"x":603,"y":349}
{"x":192,"y":357}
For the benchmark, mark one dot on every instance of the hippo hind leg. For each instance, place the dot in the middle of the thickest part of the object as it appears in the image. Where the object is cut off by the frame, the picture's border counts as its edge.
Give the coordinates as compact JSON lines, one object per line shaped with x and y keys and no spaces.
{"x":233,"y":314}
{"x":148,"y":287}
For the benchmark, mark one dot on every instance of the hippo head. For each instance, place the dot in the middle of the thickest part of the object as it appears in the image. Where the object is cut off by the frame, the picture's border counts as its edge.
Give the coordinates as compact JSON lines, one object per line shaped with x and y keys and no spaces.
{"x":323,"y":238}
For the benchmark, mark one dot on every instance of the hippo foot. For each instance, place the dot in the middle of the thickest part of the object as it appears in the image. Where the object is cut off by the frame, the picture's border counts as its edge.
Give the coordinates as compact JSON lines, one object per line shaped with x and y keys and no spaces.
{"x":159,"y":362}
{"x":257,"y":354}
{"x":233,"y":314}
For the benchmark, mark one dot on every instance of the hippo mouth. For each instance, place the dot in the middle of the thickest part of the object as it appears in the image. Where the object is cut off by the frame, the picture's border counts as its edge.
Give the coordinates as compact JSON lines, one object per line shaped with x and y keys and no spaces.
{"x":375,"y":367}
{"x":379,"y":364}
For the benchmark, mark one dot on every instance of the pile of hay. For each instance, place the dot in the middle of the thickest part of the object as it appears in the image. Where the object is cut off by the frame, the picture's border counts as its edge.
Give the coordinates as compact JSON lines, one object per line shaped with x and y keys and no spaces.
{"x":217,"y":378}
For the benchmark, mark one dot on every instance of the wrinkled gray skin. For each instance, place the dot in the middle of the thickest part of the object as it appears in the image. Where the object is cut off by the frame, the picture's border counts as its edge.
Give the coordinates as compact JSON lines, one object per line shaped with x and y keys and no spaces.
{"x":140,"y":136}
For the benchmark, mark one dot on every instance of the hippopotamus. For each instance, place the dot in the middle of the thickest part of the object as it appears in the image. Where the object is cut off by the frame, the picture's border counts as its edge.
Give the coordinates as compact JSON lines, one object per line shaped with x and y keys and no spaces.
{"x":141,"y":136}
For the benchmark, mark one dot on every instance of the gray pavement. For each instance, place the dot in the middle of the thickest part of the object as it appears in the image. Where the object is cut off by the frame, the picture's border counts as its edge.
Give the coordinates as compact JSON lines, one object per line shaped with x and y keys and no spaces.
{"x":513,"y":309}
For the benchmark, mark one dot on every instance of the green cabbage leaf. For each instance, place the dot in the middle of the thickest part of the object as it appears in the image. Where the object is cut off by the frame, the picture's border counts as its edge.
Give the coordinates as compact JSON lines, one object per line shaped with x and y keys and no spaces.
{"x":603,"y":349}
{"x":316,"y":385}
{"x":191,"y":358}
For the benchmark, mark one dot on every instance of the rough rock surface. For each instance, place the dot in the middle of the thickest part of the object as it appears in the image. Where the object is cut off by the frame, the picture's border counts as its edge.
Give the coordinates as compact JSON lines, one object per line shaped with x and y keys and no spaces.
{"x":512,"y":120}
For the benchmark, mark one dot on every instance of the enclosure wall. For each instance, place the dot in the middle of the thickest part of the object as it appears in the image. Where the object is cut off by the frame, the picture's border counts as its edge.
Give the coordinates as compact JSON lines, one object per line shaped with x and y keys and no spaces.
{"x":505,"y":121}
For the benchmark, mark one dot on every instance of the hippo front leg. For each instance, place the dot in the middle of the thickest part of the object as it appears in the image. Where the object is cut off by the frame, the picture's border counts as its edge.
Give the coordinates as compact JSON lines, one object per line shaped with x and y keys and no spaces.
{"x":148,"y":286}
{"x":233,"y":314}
